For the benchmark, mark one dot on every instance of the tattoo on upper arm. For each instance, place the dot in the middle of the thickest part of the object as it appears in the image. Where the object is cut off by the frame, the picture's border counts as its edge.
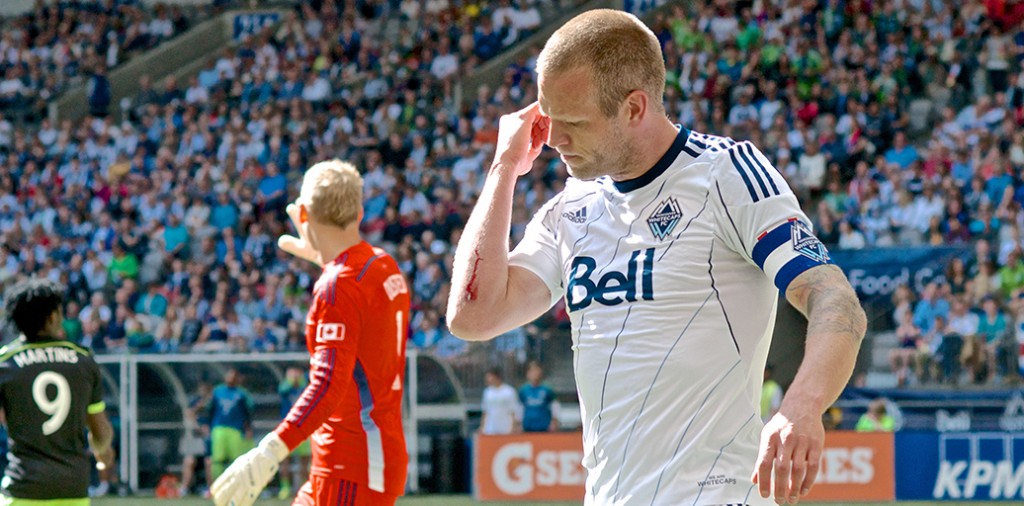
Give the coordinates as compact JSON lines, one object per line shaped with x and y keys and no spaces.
{"x":805,"y":286}
{"x":825,"y":297}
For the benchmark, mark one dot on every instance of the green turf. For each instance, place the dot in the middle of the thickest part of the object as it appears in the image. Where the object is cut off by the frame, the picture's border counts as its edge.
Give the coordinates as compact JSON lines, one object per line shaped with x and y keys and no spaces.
{"x":458,"y":500}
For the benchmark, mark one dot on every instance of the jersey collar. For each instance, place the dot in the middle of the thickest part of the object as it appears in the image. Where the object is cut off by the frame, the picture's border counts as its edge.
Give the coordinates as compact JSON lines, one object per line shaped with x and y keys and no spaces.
{"x":659,"y":168}
{"x":343,"y":256}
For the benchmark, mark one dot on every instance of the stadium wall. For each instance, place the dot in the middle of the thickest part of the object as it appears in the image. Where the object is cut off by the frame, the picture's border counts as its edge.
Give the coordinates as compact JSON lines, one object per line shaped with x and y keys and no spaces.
{"x":15,"y":7}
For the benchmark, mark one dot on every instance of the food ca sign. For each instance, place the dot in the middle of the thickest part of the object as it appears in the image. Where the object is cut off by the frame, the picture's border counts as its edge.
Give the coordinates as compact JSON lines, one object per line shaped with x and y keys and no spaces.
{"x":529,"y":466}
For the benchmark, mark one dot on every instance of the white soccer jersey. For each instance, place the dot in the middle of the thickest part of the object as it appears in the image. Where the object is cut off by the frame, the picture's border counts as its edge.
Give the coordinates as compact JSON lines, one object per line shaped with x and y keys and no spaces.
{"x":671,"y":281}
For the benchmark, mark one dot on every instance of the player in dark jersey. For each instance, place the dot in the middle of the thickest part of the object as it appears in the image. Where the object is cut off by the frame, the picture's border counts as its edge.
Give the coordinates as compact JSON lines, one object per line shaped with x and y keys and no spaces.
{"x":50,"y":391}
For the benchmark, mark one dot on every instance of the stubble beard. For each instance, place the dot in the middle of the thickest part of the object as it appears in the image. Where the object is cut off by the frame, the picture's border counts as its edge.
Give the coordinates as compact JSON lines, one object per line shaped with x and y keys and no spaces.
{"x":613,"y":156}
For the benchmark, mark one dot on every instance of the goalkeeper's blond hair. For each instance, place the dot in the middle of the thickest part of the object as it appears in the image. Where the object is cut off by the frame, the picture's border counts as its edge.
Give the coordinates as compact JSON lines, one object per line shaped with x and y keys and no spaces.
{"x":332,"y":192}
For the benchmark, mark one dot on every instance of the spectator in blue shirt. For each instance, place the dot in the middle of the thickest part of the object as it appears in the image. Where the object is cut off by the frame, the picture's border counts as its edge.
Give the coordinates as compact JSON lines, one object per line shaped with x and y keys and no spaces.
{"x":540,"y":409}
{"x":962,"y":169}
{"x":229,"y":241}
{"x":273,"y":188}
{"x":209,"y":76}
{"x":992,"y":323}
{"x":487,"y":41}
{"x":175,"y":237}
{"x":932,"y":304}
{"x":263,"y":339}
{"x":901,"y":153}
{"x":428,"y":331}
{"x":152,"y":303}
{"x":225,"y":212}
{"x":996,"y":185}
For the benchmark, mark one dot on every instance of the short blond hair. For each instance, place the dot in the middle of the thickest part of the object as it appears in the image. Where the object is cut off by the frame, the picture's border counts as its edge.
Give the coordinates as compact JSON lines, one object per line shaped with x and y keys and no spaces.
{"x":621,"y":53}
{"x":332,"y":191}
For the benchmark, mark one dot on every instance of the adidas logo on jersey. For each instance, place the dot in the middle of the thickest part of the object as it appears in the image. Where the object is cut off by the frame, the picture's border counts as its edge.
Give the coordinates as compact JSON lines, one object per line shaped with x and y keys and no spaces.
{"x":665,"y":218}
{"x":578,"y":216}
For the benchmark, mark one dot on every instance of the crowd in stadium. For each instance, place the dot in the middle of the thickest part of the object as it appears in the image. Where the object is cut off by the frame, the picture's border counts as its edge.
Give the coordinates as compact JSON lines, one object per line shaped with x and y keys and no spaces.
{"x":896,"y":123}
{"x":46,"y":50}
{"x":174,"y":248}
{"x":966,"y":327}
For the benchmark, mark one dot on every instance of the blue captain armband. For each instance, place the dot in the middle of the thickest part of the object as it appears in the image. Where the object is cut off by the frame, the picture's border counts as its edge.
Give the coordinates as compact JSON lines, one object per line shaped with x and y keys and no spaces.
{"x":787,"y":251}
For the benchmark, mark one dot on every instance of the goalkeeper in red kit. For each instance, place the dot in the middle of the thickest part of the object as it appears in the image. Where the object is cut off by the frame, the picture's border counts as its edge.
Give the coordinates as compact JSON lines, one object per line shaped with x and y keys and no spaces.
{"x":355,"y":332}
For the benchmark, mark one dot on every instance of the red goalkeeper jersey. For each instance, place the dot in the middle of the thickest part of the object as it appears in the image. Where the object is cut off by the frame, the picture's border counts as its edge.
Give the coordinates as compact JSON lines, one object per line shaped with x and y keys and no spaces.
{"x":356,"y":332}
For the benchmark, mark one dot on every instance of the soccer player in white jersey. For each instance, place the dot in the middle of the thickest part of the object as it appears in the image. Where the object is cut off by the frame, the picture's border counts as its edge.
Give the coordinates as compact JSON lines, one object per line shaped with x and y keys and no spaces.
{"x":671,"y":248}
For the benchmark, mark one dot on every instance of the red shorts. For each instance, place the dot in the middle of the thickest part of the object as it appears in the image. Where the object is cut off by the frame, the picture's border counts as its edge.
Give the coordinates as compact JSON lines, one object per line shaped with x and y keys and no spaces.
{"x":320,"y":491}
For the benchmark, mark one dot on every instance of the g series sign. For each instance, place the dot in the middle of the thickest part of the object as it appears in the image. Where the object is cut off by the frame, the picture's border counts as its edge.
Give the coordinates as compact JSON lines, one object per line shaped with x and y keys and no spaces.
{"x":546,"y":467}
{"x":855,"y":466}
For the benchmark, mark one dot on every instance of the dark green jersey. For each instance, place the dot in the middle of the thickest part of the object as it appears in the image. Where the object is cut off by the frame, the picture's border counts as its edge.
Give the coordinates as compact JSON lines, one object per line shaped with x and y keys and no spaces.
{"x":46,"y":390}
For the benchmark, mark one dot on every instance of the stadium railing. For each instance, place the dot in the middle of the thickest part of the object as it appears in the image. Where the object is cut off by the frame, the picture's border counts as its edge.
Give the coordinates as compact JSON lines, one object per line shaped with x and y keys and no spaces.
{"x":148,"y":395}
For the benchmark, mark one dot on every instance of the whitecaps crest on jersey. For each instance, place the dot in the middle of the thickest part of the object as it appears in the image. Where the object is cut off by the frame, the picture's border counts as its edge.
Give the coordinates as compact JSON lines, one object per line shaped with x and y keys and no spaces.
{"x":665,"y":218}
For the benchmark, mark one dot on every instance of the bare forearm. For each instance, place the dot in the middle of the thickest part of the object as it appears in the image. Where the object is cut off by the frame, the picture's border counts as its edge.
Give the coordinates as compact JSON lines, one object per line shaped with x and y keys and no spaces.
{"x":480,"y":276}
{"x":99,"y":445}
{"x":835,"y":328}
{"x":101,"y":433}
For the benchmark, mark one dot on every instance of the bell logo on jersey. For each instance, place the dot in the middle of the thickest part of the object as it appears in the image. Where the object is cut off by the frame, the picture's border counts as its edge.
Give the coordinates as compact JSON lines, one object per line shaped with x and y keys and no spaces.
{"x":665,"y":218}
{"x":614,"y":287}
{"x":330,"y":332}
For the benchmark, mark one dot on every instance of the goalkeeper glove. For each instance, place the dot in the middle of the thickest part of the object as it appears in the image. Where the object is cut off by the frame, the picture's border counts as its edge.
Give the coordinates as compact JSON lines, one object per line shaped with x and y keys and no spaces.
{"x":248,"y":475}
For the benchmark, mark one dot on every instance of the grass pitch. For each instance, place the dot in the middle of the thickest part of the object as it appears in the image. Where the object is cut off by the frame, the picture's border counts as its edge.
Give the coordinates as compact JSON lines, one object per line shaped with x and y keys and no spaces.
{"x":456,"y":500}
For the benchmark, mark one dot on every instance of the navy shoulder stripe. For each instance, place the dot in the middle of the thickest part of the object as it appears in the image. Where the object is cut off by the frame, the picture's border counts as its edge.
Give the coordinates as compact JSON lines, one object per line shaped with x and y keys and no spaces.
{"x":690,"y":151}
{"x":697,"y":143}
{"x":723,"y":144}
{"x":752,"y":169}
{"x":764,"y":170}
{"x":746,"y":179}
{"x":366,"y":267}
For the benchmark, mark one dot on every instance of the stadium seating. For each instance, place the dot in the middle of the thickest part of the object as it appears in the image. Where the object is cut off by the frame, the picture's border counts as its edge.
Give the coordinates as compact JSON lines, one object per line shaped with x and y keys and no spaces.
{"x":59,"y":44}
